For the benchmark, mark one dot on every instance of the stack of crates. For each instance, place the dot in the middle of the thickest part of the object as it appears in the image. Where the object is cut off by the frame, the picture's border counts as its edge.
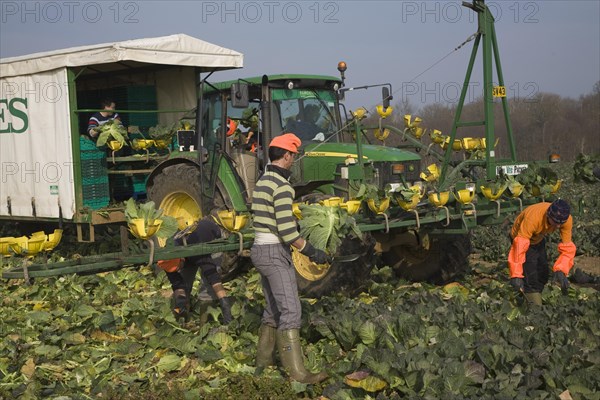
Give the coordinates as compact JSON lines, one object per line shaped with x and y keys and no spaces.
{"x":139,"y":186}
{"x":124,"y":186}
{"x":142,"y":98}
{"x":94,"y":176}
{"x":121,"y":185}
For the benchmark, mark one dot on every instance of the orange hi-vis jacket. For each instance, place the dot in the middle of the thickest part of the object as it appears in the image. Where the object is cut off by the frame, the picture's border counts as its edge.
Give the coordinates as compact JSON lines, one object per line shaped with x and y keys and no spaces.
{"x":530,"y":227}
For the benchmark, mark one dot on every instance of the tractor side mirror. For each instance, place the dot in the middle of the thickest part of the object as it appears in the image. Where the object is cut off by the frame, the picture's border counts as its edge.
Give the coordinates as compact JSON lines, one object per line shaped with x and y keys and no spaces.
{"x":239,"y":95}
{"x":385,"y":94}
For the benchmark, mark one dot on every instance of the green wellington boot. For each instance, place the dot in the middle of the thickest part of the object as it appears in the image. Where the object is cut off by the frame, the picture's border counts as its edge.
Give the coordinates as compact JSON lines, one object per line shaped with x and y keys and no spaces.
{"x":265,"y":354}
{"x":534,"y":298}
{"x":288,"y":344}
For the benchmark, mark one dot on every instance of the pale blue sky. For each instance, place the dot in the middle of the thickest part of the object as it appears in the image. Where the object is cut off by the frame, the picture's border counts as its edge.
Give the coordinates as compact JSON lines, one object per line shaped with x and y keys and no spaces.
{"x":545,"y":46}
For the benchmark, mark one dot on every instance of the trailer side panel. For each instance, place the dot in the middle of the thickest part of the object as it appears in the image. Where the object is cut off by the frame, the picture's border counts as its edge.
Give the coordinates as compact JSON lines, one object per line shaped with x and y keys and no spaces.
{"x":36,"y":174}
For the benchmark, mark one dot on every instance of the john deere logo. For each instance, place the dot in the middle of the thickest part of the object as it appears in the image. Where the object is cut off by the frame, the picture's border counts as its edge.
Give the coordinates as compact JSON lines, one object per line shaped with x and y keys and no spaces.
{"x":13,"y":115}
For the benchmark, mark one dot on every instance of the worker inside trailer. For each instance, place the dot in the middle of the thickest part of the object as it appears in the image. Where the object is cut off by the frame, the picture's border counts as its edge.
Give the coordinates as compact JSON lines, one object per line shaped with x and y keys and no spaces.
{"x":102,"y":117}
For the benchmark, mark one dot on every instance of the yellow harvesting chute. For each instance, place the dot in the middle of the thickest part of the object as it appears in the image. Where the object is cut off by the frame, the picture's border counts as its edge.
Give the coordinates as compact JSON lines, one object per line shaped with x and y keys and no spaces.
{"x":382,"y":113}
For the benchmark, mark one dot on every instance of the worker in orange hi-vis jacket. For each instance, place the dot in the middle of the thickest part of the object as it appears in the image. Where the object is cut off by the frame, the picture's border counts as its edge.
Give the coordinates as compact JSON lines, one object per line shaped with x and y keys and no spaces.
{"x":528,"y":260}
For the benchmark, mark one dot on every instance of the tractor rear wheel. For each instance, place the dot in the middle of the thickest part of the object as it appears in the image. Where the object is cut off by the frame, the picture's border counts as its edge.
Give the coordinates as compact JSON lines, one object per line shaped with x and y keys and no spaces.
{"x":176,"y":190}
{"x":437,"y":260}
{"x":345,"y":277}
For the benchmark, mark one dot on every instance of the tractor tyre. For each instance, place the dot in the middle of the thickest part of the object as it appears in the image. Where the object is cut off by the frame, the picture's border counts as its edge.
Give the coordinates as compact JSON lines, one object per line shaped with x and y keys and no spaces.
{"x":440,"y":260}
{"x":340,"y":277}
{"x":176,"y":190}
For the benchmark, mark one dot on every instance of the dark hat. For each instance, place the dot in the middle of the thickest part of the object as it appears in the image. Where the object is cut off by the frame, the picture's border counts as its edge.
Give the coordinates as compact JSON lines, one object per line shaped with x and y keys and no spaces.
{"x":559,"y":211}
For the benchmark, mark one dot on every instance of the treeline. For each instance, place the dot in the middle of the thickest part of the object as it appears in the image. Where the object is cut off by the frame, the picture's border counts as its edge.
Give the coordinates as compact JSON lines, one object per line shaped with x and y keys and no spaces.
{"x":543,"y":124}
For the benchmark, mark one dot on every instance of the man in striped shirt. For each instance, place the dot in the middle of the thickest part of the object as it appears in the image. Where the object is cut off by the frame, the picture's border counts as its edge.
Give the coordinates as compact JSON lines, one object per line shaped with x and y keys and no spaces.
{"x":275,"y":230}
{"x":102,"y":117}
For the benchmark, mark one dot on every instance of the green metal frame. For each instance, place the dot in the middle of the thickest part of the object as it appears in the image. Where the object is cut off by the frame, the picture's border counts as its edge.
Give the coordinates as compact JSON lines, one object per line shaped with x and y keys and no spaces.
{"x":71,"y":77}
{"x":432,"y":217}
{"x":114,"y":261}
{"x":81,"y":216}
{"x":486,"y":35}
{"x":230,"y":180}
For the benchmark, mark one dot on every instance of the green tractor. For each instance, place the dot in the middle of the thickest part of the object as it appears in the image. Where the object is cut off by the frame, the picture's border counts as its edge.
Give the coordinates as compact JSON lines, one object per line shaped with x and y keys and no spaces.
{"x":224,"y":179}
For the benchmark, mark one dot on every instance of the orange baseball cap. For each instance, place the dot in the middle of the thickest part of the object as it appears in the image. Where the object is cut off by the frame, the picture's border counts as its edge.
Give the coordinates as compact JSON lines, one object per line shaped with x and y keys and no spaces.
{"x":287,"y":141}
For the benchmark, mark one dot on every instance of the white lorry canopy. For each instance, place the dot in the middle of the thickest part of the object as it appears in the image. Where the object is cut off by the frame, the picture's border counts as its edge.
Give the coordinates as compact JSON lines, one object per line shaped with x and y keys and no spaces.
{"x":36,"y":152}
{"x":180,"y":49}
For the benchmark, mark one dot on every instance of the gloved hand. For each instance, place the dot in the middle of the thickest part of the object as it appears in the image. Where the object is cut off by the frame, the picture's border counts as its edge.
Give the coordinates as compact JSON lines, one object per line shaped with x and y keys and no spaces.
{"x":315,"y":255}
{"x":560,"y":278}
{"x":517,"y":283}
{"x":320,"y":257}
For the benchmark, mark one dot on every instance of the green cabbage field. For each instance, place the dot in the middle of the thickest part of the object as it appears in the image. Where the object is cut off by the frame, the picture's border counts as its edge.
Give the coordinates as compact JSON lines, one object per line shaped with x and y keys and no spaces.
{"x":113,"y":336}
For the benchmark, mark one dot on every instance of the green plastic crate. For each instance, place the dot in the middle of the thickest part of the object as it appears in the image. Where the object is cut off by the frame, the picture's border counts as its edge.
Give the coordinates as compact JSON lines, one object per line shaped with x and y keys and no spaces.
{"x":94,"y":192}
{"x":94,"y":175}
{"x":94,"y":181}
{"x":139,"y":183}
{"x":86,"y":144}
{"x":97,"y":203}
{"x":94,"y":167}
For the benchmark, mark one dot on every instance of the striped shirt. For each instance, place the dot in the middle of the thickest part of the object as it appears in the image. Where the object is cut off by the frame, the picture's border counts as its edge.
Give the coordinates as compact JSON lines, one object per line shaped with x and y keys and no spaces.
{"x":98,"y":120}
{"x":272,"y":205}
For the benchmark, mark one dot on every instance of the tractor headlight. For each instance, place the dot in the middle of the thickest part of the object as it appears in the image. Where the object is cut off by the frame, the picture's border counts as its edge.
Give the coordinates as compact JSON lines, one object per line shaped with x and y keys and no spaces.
{"x":397,"y":169}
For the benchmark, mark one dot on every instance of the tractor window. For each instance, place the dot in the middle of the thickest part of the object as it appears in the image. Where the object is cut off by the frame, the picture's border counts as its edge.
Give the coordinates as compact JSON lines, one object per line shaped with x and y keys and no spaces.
{"x":248,"y":132}
{"x":310,"y":114}
{"x":211,"y":119}
{"x":246,"y":118}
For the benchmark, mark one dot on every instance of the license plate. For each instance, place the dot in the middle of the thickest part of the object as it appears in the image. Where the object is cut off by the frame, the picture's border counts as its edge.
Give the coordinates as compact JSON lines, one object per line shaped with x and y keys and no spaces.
{"x":514,"y":169}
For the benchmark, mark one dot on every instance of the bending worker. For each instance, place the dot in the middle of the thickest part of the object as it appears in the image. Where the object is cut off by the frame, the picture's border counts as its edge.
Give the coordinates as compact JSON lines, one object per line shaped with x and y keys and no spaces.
{"x":528,"y":260}
{"x":275,"y":230}
{"x":182,"y":272}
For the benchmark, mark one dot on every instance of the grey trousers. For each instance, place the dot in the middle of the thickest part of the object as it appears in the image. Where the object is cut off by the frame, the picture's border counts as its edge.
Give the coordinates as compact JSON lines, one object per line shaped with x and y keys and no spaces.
{"x":278,"y":277}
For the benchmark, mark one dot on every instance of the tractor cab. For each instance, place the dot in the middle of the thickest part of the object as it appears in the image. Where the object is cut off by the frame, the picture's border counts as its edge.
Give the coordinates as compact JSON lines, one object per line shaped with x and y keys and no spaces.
{"x":302,"y":104}
{"x":240,"y":118}
{"x":310,"y":114}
